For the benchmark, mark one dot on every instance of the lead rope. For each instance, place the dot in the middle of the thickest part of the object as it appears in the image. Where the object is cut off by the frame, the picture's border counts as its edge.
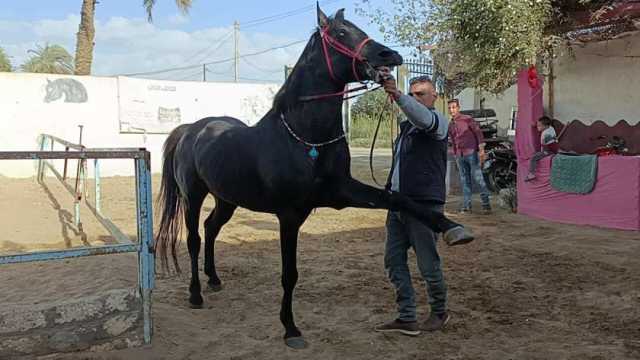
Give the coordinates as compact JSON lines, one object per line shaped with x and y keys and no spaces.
{"x":373,"y":142}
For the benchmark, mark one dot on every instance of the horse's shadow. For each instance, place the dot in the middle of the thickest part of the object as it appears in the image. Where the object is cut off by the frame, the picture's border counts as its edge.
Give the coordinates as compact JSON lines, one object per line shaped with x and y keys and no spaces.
{"x":254,"y":224}
{"x":261,"y":224}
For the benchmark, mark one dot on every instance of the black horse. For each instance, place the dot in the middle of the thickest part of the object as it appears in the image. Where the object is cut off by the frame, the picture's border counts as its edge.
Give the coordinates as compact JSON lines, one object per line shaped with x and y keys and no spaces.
{"x":293,"y":160}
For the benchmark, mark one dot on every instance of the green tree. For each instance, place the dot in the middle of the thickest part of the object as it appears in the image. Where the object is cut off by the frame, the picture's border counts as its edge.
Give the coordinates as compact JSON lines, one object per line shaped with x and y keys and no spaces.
{"x":365,"y":113}
{"x":5,"y":63}
{"x":480,"y":43}
{"x":86,"y":31}
{"x":50,"y":59}
{"x":371,"y":104}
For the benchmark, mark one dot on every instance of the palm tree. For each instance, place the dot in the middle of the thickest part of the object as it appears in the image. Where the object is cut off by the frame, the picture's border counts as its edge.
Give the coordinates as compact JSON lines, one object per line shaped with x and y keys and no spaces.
{"x":5,"y":64}
{"x":87,"y":31}
{"x":84,"y":38}
{"x":50,"y":59}
{"x":183,"y":5}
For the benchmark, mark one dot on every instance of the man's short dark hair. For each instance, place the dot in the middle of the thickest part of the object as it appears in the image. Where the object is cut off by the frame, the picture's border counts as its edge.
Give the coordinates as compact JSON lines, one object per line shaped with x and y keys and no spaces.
{"x":420,"y":79}
{"x":545,"y":120}
{"x":454,"y":101}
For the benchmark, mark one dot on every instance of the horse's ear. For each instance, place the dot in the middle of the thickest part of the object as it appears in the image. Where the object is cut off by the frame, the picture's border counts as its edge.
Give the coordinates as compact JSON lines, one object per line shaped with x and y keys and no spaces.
{"x":339,"y":15}
{"x":323,"y":20}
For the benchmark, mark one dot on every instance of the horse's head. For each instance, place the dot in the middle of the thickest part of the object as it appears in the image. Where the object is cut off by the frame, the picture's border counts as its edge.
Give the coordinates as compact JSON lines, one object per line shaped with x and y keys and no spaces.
{"x":53,"y":92}
{"x":349,"y":53}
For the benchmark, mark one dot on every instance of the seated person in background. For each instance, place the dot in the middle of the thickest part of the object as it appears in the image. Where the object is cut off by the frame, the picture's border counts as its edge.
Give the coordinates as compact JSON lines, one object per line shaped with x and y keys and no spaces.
{"x":548,"y":142}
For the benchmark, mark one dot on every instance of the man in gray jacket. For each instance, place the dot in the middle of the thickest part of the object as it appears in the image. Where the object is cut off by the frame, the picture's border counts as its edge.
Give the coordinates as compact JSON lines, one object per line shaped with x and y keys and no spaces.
{"x":418,"y":171}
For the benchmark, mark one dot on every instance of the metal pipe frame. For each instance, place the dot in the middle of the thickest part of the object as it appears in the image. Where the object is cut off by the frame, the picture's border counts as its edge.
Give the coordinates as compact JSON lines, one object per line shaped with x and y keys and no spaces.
{"x":144,"y":213}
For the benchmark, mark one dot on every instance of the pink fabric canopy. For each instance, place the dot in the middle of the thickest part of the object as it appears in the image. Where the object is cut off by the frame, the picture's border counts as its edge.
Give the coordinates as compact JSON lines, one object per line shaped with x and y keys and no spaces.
{"x":615,"y":200}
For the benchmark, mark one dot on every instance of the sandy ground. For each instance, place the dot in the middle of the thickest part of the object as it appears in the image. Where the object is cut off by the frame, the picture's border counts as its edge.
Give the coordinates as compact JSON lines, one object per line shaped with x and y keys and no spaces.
{"x":526,"y":289}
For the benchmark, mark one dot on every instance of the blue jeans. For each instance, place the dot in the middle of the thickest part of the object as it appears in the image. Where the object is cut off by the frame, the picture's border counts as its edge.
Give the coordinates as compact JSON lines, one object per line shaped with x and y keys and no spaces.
{"x":533,"y":163}
{"x":469,"y":168}
{"x":405,"y":231}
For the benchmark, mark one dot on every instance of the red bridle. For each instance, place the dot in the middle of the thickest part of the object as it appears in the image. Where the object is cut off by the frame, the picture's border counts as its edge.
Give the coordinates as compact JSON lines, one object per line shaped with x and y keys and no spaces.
{"x":328,"y":40}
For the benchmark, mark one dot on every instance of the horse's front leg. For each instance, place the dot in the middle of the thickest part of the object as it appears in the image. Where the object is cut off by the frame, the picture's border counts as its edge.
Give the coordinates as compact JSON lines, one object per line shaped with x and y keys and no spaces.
{"x":352,"y":193}
{"x":290,"y":222}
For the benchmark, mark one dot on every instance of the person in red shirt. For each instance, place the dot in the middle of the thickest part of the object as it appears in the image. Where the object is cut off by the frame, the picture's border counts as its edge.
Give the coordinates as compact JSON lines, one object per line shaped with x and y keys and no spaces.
{"x":468,"y":147}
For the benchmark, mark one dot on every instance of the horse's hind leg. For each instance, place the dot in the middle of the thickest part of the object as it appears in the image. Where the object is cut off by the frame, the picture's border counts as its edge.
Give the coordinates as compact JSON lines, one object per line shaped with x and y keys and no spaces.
{"x":192,"y":218}
{"x":216,"y":220}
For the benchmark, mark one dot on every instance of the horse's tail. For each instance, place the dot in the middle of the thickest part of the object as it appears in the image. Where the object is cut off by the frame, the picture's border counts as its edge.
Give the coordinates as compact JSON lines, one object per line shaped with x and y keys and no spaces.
{"x":169,"y":202}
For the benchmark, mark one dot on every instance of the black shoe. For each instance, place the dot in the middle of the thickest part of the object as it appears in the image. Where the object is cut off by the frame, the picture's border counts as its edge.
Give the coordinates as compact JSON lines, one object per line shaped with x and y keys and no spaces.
{"x":409,"y":328}
{"x":435,"y":322}
{"x":465,"y":211}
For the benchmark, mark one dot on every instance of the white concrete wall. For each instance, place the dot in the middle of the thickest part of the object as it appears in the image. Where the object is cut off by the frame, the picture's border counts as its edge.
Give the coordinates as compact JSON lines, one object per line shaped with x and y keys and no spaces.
{"x":467,"y":98}
{"x":502,"y":103}
{"x":24,"y":115}
{"x":602,"y":82}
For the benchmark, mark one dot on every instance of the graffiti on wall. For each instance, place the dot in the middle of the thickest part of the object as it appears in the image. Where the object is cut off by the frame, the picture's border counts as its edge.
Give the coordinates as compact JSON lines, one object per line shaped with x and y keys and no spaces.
{"x":72,"y":90}
{"x":254,"y":107}
{"x":168,"y":115}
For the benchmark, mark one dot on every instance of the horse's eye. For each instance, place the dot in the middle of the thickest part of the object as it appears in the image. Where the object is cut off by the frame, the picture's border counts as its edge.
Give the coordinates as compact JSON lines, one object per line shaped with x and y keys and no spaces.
{"x":341,"y":34}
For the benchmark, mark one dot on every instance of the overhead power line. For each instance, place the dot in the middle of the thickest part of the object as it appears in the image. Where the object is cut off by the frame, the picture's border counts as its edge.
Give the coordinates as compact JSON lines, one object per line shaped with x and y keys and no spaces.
{"x":284,"y":15}
{"x":259,"y":80}
{"x":218,"y":61}
{"x":225,"y":72}
{"x":217,"y":43}
{"x":190,"y":76}
{"x":268,"y":71}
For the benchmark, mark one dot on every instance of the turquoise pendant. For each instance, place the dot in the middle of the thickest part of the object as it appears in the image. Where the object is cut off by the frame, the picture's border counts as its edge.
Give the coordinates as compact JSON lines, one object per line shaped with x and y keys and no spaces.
{"x":314,"y":153}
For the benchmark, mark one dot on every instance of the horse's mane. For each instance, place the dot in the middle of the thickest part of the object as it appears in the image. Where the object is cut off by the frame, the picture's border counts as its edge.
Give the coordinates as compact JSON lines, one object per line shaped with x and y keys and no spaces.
{"x":287,"y":96}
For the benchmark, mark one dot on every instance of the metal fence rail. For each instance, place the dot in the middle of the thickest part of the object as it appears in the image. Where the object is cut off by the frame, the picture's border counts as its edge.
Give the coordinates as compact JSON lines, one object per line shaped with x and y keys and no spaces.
{"x":416,"y":68}
{"x":144,"y":212}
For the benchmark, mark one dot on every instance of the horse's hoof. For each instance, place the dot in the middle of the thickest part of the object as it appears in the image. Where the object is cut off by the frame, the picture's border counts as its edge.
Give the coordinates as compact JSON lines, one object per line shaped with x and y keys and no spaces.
{"x":196,"y":303}
{"x":297,"y":342}
{"x":457,"y":236}
{"x":215,"y":287}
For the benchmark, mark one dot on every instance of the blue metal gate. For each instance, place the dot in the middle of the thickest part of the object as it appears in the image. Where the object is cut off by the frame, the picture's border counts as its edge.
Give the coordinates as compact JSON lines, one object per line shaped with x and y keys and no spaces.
{"x":144,"y":212}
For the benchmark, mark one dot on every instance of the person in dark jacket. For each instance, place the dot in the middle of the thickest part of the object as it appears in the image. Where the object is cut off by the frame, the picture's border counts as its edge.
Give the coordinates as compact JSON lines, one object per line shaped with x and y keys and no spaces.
{"x":418,"y":171}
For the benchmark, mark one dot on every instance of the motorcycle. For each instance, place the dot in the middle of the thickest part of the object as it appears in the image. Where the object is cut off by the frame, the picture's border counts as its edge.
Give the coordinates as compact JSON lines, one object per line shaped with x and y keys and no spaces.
{"x":500,"y":167}
{"x":615,"y":146}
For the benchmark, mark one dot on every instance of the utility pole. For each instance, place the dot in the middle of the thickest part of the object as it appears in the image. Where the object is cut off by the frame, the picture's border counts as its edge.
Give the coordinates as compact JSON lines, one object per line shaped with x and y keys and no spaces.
{"x":287,"y":71}
{"x":204,"y":72}
{"x":236,"y":55}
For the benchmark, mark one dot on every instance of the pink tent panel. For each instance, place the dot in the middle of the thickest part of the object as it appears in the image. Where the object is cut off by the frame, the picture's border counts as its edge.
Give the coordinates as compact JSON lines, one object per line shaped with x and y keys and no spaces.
{"x":614,"y":202}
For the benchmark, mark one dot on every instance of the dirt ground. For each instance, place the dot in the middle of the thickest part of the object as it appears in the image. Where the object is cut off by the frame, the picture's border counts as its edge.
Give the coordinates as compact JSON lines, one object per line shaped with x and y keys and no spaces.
{"x":525,"y":289}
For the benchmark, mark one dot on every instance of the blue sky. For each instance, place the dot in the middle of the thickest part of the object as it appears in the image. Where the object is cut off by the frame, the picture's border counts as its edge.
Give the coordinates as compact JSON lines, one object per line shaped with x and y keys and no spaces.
{"x":173,"y":40}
